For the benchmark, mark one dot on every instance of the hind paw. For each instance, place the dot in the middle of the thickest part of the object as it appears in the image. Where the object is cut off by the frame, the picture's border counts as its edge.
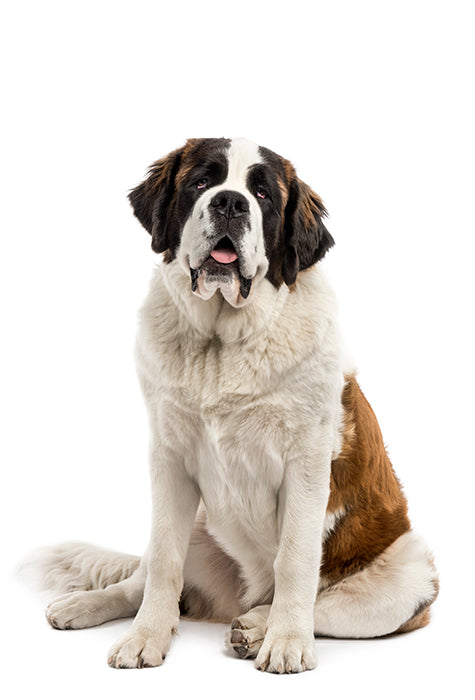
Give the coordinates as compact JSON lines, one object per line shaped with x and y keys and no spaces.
{"x":247,"y":632}
{"x":76,"y":610}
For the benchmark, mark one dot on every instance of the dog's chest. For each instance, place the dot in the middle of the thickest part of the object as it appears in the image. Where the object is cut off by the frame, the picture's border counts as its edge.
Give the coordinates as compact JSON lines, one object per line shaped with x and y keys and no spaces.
{"x":233,"y":437}
{"x":239,"y":469}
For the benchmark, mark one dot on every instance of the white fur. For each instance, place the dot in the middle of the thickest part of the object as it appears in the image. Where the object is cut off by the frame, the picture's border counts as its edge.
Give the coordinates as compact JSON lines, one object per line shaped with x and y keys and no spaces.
{"x":76,"y":566}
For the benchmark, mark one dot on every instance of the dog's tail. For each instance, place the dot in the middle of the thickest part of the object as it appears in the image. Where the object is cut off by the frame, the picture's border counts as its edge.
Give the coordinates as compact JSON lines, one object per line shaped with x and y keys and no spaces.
{"x":76,"y":566}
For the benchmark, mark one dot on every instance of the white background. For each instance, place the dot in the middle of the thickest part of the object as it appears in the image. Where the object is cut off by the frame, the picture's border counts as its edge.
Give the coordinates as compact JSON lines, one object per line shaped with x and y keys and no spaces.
{"x":373,"y":102}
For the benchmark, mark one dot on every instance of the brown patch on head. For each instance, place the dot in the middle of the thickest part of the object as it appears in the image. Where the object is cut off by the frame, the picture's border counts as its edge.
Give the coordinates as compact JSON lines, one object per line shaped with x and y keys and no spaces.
{"x":311,"y":206}
{"x":362,"y":483}
{"x":186,"y":163}
{"x":284,"y":193}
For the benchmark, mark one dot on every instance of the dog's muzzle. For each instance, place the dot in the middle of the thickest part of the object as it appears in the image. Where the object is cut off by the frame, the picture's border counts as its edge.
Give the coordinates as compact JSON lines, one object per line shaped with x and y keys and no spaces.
{"x":222,"y":264}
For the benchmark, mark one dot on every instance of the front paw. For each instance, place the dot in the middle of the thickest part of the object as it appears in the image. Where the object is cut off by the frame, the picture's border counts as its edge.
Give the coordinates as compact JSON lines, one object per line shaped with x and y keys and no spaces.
{"x":286,"y":653}
{"x":139,"y":648}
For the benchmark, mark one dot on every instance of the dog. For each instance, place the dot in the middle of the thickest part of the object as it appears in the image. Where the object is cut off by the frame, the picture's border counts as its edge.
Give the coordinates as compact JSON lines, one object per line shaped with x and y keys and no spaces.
{"x":275,"y":505}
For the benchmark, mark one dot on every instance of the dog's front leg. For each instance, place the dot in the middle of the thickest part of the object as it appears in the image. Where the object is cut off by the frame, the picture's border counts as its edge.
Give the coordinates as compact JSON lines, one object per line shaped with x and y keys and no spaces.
{"x":289,"y":645}
{"x":175,"y":499}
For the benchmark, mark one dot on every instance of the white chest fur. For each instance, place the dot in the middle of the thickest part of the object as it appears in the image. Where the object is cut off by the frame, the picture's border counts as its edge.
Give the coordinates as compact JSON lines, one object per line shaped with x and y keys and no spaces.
{"x":231,"y":390}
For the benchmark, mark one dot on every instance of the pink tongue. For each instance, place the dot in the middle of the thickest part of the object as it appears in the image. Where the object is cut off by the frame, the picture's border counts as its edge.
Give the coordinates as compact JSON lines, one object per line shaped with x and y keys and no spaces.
{"x":223,"y":255}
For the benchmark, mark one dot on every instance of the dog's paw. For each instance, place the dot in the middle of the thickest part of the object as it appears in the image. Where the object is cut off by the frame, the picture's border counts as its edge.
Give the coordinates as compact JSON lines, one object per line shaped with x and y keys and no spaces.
{"x":286,"y":654}
{"x":74,"y":611}
{"x":139,"y":648}
{"x":246,"y":635}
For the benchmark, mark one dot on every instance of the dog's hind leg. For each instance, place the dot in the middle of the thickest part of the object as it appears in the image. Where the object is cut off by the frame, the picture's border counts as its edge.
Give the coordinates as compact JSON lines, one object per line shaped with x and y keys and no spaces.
{"x":90,"y":608}
{"x":392,"y":594}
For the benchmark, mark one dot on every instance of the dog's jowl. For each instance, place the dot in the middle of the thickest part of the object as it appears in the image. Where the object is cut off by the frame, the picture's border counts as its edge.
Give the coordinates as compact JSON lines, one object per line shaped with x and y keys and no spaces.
{"x":275,"y":505}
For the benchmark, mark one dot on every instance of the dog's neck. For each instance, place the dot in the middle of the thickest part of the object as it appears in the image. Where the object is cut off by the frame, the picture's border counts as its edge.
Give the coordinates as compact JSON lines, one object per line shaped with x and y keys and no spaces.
{"x":273,"y":336}
{"x":215,"y":317}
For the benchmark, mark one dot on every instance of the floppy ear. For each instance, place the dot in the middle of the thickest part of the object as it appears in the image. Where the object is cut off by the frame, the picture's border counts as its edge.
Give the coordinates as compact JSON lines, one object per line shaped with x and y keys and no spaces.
{"x":152,"y":199}
{"x":306,"y":239}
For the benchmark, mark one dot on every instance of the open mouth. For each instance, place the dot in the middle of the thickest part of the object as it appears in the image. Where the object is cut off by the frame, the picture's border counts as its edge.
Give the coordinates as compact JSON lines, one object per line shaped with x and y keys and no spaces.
{"x":221,"y":263}
{"x":224,"y":252}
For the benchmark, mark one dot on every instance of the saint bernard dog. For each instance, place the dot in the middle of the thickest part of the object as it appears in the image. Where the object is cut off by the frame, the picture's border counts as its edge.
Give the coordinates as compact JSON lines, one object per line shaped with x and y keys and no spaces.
{"x":275,"y":505}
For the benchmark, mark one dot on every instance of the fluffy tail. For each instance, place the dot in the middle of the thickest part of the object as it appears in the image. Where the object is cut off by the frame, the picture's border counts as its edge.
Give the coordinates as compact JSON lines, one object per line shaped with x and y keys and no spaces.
{"x":77,"y":566}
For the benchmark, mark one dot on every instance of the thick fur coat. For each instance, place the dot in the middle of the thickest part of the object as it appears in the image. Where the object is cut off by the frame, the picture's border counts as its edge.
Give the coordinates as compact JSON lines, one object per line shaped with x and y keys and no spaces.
{"x":275,"y":506}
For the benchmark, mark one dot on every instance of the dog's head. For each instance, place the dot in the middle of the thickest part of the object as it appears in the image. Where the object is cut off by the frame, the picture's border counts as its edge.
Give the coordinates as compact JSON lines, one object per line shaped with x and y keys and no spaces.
{"x":231,"y":213}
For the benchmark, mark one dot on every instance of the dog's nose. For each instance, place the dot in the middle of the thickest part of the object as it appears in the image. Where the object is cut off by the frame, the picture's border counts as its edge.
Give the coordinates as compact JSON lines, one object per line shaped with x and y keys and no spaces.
{"x":230,"y":204}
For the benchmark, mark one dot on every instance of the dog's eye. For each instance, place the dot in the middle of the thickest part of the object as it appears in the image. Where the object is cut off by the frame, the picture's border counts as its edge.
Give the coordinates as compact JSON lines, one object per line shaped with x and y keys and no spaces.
{"x":261,"y":193}
{"x":201,"y":184}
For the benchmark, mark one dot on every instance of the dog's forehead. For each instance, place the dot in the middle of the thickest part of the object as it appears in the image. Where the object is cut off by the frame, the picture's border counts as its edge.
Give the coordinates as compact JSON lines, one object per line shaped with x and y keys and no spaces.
{"x":242,"y":155}
{"x":239,"y":154}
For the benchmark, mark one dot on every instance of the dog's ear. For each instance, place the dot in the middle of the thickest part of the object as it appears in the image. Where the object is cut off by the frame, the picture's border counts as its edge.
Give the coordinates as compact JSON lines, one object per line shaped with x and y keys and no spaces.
{"x":306,"y":239}
{"x":152,"y":199}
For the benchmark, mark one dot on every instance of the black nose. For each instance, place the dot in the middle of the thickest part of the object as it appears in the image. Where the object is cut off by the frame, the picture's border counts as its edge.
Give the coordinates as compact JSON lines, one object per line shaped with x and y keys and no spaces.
{"x":230,"y":204}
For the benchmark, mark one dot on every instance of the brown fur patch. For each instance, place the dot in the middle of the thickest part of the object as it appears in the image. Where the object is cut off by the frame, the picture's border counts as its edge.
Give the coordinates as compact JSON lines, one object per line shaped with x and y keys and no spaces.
{"x":364,"y":485}
{"x":311,"y":205}
{"x":416,"y":622}
{"x":289,"y":170}
{"x":284,"y":193}
{"x":168,"y":256}
{"x":186,"y":167}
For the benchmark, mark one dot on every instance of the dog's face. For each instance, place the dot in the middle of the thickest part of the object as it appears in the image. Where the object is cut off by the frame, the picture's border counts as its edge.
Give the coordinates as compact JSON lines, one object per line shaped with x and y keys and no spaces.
{"x":231,"y":213}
